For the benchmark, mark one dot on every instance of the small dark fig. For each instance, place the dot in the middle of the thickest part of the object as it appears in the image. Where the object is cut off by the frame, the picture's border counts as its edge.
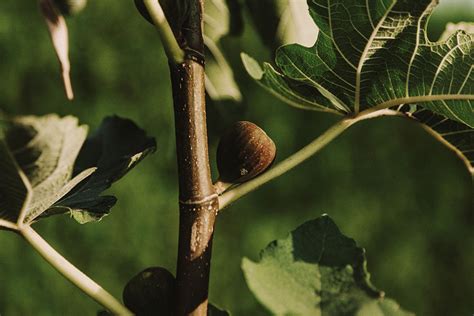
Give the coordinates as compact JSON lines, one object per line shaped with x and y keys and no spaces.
{"x":151,"y":292}
{"x":70,"y":7}
{"x":244,"y":152}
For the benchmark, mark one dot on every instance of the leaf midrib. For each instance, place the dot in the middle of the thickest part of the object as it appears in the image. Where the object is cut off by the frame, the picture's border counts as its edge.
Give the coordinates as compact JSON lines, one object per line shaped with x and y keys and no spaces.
{"x":364,"y":55}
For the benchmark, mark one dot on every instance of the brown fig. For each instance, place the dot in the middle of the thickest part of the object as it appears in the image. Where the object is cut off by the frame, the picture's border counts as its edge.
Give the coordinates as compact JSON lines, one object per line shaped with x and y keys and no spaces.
{"x":151,"y":292}
{"x":70,"y":7}
{"x":244,"y":152}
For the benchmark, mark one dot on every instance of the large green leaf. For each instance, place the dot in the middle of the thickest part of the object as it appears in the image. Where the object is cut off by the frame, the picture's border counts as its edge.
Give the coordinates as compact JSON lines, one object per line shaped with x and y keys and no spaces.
{"x":375,"y":54}
{"x":44,"y":161}
{"x":114,"y":149}
{"x":316,"y":271}
{"x":44,"y":149}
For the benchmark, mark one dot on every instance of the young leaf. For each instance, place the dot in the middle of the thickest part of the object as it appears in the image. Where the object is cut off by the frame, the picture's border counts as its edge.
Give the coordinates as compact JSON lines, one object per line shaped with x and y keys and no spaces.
{"x":316,"y":271}
{"x":281,"y":22}
{"x":218,"y":22}
{"x":114,"y":149}
{"x":376,"y":54}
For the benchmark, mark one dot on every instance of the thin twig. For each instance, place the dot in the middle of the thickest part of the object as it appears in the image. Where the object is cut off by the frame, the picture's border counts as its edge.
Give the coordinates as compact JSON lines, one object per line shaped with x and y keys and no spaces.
{"x":295,"y":159}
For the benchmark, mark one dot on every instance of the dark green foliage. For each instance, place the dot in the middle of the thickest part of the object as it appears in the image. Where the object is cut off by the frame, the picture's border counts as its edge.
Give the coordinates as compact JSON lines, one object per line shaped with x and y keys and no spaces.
{"x":55,"y":172}
{"x":114,"y":149}
{"x":316,"y":270}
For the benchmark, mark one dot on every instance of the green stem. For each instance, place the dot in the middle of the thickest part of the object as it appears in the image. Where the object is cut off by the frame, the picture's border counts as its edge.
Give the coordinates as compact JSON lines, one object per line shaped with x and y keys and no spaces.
{"x":73,"y":274}
{"x":170,"y":44}
{"x":294,"y":160}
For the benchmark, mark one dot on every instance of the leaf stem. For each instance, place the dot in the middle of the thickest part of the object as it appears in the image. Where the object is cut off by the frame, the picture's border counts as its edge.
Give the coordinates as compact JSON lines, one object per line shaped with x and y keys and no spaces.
{"x":295,"y":159}
{"x":170,"y":44}
{"x":73,"y":274}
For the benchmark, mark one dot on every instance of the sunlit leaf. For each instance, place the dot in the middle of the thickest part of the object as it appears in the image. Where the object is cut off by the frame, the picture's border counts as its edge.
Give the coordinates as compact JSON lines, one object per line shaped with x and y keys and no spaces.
{"x":316,"y":270}
{"x":60,"y":39}
{"x":451,"y":28}
{"x":47,"y":167}
{"x":280,"y":22}
{"x":219,"y":22}
{"x":114,"y":149}
{"x":45,"y":149}
{"x":376,"y":54}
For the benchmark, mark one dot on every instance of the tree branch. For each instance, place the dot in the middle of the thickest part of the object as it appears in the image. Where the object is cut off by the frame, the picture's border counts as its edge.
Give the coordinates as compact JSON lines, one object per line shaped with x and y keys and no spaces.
{"x":198,"y":200}
{"x":295,"y":159}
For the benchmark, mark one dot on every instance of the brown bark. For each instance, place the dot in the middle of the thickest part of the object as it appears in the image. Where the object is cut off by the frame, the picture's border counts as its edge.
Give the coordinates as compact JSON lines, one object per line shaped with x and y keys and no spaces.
{"x":198,"y":200}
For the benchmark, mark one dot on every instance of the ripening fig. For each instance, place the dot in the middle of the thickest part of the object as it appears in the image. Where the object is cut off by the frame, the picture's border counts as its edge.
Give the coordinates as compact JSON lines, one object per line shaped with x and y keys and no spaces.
{"x":244,"y":152}
{"x":151,"y":292}
{"x":70,"y":7}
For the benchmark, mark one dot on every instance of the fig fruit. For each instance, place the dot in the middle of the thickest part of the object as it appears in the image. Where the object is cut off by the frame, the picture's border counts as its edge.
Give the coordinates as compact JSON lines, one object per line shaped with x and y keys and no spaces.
{"x":151,"y":292}
{"x":244,"y":152}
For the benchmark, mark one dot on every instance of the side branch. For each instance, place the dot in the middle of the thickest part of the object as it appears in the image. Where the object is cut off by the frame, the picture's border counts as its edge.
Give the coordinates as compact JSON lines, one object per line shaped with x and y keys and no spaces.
{"x":300,"y":156}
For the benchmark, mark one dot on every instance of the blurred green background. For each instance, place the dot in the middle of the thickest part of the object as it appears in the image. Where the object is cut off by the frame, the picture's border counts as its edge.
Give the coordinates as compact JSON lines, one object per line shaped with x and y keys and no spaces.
{"x":386,"y":183}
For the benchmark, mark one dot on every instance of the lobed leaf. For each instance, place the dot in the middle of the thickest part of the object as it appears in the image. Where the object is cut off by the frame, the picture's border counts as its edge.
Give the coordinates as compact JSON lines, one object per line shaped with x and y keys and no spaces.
{"x":316,"y":270}
{"x":48,"y":168}
{"x":376,"y":54}
{"x":114,"y":149}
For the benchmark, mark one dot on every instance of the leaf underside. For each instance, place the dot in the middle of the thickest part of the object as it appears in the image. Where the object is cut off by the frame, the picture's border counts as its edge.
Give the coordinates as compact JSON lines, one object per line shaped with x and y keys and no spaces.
{"x":47,"y":168}
{"x":44,"y":149}
{"x":316,"y":271}
{"x":13,"y":191}
{"x":114,"y":149}
{"x":375,"y":54}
